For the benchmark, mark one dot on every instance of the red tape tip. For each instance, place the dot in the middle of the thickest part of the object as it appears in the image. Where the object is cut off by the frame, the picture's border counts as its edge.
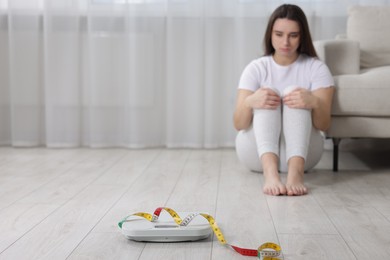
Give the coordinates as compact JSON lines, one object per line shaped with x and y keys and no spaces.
{"x":158,"y":211}
{"x":244,"y":251}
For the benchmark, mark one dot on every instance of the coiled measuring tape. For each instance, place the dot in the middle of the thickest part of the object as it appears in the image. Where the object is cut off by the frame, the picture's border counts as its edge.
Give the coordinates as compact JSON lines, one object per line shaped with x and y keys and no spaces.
{"x":267,"y":251}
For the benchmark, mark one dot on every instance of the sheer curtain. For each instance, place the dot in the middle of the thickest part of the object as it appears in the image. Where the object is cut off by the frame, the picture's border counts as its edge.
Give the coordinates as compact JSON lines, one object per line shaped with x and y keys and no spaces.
{"x":133,"y":73}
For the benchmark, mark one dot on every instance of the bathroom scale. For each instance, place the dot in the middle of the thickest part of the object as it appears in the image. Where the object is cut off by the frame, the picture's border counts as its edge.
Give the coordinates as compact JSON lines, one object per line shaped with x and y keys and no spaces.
{"x":165,"y":229}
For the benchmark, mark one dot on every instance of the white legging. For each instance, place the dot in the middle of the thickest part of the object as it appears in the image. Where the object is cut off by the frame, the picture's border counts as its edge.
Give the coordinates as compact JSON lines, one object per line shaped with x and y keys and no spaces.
{"x":286,"y":132}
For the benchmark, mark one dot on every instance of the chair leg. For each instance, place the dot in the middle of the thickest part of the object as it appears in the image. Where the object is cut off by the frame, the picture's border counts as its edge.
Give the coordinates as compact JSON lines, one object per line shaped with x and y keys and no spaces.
{"x":336,"y":142}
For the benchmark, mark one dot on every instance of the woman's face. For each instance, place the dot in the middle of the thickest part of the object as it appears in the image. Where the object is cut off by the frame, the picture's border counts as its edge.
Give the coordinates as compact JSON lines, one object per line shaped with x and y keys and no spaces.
{"x":285,"y":38}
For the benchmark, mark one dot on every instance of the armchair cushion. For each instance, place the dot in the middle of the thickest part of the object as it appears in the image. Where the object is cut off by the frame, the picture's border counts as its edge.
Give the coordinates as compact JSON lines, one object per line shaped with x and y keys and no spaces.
{"x":370,"y":26}
{"x":364,"y":94}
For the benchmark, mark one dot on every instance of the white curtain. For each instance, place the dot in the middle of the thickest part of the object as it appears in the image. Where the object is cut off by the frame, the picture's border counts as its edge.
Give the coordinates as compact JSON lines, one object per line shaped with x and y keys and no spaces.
{"x":133,"y":73}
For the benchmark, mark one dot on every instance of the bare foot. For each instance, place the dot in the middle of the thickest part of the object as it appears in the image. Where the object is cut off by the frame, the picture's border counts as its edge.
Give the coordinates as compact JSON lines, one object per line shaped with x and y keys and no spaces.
{"x":273,"y":184}
{"x":294,"y":185}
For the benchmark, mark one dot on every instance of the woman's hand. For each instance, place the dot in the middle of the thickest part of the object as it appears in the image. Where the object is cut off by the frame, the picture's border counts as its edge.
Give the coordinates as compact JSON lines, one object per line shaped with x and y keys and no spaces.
{"x":319,"y":101}
{"x":263,"y":98}
{"x":301,"y":98}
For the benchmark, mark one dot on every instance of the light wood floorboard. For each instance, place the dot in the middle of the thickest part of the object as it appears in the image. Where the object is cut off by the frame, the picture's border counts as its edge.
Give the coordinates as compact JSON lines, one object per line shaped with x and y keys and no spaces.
{"x":66,"y":203}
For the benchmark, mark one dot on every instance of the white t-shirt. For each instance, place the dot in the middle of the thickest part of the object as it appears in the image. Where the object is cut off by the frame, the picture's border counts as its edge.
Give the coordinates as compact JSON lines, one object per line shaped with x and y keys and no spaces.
{"x":306,"y":72}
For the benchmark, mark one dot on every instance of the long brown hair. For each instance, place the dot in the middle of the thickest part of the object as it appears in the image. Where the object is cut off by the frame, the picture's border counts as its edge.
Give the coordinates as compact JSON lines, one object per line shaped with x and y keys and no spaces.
{"x":294,"y":13}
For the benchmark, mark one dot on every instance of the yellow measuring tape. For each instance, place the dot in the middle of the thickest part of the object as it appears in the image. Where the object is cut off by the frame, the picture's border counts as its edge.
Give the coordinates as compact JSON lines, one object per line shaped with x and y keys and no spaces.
{"x":267,"y":251}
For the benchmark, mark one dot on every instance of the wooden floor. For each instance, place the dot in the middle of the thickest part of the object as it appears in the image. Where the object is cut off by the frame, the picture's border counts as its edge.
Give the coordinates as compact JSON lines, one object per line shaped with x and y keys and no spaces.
{"x":65,"y":204}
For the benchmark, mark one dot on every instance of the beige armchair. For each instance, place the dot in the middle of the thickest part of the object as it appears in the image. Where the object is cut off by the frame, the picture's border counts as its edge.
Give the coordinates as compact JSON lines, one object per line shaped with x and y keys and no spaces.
{"x":360,"y":63}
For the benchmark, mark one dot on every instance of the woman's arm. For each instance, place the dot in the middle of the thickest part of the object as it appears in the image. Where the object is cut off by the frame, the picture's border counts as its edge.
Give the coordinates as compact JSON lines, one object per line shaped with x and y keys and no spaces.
{"x":243,"y":113}
{"x":263,"y":98}
{"x":319,"y":101}
{"x":321,"y":113}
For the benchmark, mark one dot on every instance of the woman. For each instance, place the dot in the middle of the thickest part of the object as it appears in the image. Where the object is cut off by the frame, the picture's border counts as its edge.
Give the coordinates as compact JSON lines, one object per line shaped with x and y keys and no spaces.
{"x":283,"y":102}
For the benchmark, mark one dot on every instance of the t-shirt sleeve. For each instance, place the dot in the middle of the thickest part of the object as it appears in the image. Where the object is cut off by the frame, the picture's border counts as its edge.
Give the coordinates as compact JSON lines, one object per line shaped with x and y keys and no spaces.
{"x":321,"y":76}
{"x":249,"y":79}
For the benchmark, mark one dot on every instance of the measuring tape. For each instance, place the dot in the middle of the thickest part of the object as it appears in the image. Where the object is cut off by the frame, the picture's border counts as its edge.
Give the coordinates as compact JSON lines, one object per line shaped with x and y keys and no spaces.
{"x":267,"y":251}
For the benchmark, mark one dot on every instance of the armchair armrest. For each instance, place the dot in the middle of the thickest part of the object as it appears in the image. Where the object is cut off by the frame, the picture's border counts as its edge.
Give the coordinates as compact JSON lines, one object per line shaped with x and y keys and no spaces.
{"x":341,"y":56}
